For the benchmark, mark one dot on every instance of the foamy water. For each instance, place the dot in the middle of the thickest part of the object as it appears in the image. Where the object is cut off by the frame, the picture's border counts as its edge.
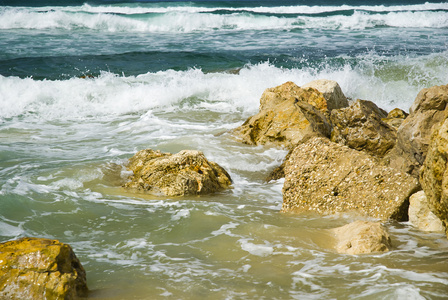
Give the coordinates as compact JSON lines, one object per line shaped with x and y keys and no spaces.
{"x":83,"y":88}
{"x":189,"y":19}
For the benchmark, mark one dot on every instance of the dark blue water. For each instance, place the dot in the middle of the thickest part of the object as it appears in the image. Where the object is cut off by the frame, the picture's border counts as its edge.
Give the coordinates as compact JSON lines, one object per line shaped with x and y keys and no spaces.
{"x":77,"y":39}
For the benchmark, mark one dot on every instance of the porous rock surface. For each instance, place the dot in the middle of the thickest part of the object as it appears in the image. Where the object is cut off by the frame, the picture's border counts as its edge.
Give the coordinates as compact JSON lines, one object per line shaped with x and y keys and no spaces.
{"x":331,"y":91}
{"x":413,"y":136}
{"x":421,"y":216}
{"x":362,"y":237}
{"x":360,"y":126}
{"x":35,"y":268}
{"x":395,"y":117}
{"x":434,"y":174}
{"x":185,"y":173}
{"x":325,"y":177}
{"x":287,"y":115}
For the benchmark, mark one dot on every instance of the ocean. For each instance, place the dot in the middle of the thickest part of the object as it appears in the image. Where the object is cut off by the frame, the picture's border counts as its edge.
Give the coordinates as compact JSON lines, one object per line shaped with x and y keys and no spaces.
{"x":85,"y":85}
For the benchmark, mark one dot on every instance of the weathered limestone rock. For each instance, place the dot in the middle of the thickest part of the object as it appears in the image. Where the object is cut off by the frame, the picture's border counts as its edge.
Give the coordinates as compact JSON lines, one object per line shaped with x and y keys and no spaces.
{"x":360,"y":127}
{"x":395,"y":117}
{"x":33,"y":268}
{"x":420,"y":215}
{"x":288,"y":115}
{"x":328,"y":178}
{"x":331,"y":91}
{"x":361,"y":237}
{"x":434,"y":174}
{"x":428,"y":109}
{"x":185,"y":173}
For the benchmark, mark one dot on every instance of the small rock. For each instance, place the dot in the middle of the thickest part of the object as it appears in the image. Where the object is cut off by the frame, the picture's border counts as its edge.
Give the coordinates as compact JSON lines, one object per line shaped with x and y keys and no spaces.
{"x":360,"y":127}
{"x":361,"y":237}
{"x":288,"y":115}
{"x":421,"y":216}
{"x":185,"y":173}
{"x":331,"y":91}
{"x":34,"y":268}
{"x":395,"y":118}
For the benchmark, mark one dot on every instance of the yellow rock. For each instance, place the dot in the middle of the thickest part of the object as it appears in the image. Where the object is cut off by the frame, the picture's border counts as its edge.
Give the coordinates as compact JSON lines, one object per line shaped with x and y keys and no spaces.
{"x":287,"y":116}
{"x":361,"y":237}
{"x":34,"y":268}
{"x":434,"y":174}
{"x":185,"y":173}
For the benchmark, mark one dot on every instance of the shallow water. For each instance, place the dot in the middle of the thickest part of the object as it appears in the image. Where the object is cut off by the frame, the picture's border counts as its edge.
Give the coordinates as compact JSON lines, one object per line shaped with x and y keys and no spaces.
{"x":86,"y":86}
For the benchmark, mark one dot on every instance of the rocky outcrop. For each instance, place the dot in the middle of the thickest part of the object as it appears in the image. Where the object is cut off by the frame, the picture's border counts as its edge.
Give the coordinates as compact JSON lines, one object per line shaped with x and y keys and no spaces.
{"x":328,"y":178}
{"x":287,"y":116}
{"x":413,"y":136}
{"x":185,"y":173}
{"x":434,"y":174}
{"x":421,"y":216}
{"x":361,"y":237}
{"x":395,"y":117}
{"x":331,"y":91}
{"x":360,"y":127}
{"x":32,"y":268}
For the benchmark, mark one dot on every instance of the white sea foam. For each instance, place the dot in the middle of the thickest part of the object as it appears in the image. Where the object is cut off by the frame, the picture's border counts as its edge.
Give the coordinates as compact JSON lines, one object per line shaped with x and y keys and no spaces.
{"x":298,"y":9}
{"x":189,"y":19}
{"x":112,"y":95}
{"x":256,"y":249}
{"x":225,"y":229}
{"x":10,"y":230}
{"x":180,"y":214}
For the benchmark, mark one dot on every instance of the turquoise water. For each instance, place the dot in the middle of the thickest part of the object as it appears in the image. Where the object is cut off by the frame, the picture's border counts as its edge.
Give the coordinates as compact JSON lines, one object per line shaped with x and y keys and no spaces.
{"x":83,"y":86}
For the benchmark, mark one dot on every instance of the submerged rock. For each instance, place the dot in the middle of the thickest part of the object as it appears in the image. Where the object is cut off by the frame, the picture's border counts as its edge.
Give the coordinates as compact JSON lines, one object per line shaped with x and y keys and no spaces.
{"x":413,"y":136}
{"x":34,"y":268}
{"x":434,"y":174}
{"x":360,"y":127}
{"x":331,"y":91}
{"x":421,"y":216}
{"x":287,"y":116}
{"x":185,"y":173}
{"x":361,"y":237}
{"x":328,"y":178}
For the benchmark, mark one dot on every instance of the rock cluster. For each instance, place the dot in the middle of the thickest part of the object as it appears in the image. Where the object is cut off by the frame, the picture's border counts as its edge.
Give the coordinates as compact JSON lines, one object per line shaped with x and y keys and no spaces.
{"x":362,"y":237}
{"x":185,"y":173}
{"x":413,"y":136}
{"x":32,"y":268}
{"x":355,"y":157}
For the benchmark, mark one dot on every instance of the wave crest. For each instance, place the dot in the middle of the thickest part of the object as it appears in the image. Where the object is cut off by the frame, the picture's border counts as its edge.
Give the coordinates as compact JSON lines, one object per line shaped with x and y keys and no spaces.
{"x":191,"y":19}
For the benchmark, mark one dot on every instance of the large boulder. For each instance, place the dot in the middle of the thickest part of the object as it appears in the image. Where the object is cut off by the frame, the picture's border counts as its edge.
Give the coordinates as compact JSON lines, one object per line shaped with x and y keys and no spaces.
{"x":434,"y":174}
{"x":328,"y":178}
{"x":361,"y":237}
{"x":360,"y":127}
{"x":421,"y":216}
{"x":287,"y":116}
{"x":185,"y":173}
{"x":331,"y":91}
{"x":413,"y":136}
{"x":34,"y":268}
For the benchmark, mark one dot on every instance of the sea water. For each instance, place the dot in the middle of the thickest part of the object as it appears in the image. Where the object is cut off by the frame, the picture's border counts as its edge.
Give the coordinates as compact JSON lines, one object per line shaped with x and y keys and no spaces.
{"x":83,"y":86}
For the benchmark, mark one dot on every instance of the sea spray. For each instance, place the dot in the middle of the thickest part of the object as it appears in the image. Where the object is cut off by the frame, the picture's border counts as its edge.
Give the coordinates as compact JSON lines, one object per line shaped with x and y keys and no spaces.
{"x":388,"y":81}
{"x":84,"y":87}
